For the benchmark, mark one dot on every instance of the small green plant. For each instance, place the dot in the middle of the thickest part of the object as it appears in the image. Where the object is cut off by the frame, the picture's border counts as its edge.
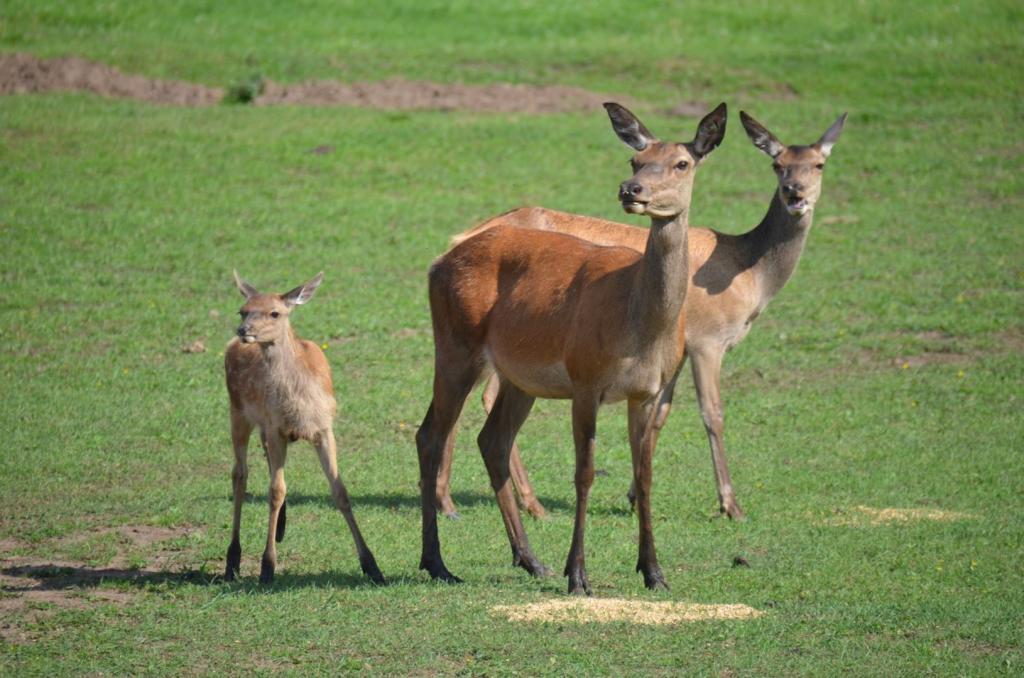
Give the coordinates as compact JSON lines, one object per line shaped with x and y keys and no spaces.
{"x":244,"y":91}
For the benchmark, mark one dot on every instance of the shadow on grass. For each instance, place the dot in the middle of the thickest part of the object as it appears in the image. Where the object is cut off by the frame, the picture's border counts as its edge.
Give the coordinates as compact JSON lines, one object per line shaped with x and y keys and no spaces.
{"x":46,"y":577}
{"x":404,"y":501}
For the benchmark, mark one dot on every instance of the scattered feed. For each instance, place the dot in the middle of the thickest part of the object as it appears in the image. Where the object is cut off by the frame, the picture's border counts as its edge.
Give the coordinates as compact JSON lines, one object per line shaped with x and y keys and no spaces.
{"x":606,"y":610}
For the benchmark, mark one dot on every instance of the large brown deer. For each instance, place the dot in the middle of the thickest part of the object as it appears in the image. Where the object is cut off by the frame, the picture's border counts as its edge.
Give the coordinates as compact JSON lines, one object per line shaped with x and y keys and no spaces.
{"x":557,"y":317}
{"x":733,"y":277}
{"x":281,"y":384}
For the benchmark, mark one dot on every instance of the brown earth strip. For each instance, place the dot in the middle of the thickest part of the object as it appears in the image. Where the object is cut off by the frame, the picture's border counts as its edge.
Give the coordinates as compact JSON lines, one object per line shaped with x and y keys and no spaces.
{"x":22,"y":73}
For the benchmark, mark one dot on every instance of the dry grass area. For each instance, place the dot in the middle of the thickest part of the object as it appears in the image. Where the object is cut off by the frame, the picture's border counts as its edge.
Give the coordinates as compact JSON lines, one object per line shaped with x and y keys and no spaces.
{"x":604,"y":610}
{"x":867,"y":516}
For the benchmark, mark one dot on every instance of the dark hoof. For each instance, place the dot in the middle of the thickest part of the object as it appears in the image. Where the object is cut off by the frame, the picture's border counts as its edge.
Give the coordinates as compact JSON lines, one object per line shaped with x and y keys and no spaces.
{"x":654,"y":580}
{"x":578,"y":584}
{"x":282,"y":520}
{"x":370,"y":569}
{"x":530,"y":563}
{"x":439,"y":572}
{"x":234,"y":561}
{"x":266,"y":571}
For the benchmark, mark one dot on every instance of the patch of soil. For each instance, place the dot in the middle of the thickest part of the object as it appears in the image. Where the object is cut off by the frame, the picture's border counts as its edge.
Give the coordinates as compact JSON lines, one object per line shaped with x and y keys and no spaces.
{"x":930,"y":358}
{"x":32,"y":588}
{"x":22,"y":73}
{"x":10,"y":544}
{"x":862,"y":516}
{"x":401,"y":94}
{"x":28,"y":600}
{"x":26,"y":74}
{"x":604,"y":610}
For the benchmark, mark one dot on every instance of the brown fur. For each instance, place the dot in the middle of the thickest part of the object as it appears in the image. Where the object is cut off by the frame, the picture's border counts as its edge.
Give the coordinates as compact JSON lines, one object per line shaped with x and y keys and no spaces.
{"x":281,"y":384}
{"x":733,"y":277}
{"x":557,"y":317}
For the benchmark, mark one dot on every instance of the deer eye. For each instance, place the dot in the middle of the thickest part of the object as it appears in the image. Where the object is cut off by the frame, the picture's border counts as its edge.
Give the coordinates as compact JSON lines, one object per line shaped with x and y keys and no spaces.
{"x":682,"y":164}
{"x":820,"y":166}
{"x":274,"y":314}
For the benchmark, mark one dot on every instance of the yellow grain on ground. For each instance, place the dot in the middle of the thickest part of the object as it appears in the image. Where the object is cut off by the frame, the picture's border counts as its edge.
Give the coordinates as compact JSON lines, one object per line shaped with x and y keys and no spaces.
{"x":860,"y":516}
{"x":603,"y":610}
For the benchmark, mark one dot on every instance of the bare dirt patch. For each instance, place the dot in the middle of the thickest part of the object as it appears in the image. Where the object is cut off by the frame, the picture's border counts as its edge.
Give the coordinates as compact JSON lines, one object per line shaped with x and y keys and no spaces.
{"x":26,"y":74}
{"x":604,"y":610}
{"x":866,"y":516}
{"x":32,"y":588}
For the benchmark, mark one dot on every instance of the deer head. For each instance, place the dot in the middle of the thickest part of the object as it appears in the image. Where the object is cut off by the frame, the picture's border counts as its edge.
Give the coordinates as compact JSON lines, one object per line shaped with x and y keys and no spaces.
{"x":265,"y":316}
{"x":662,"y":181}
{"x":799,"y":168}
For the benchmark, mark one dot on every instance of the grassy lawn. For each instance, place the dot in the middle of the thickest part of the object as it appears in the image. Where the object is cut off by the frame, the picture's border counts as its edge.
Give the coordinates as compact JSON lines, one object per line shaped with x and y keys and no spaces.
{"x":889,"y":374}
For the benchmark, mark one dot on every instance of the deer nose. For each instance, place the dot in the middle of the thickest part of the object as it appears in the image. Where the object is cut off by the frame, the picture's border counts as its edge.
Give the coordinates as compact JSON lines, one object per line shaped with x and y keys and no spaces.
{"x":792,"y":189}
{"x":242,"y":330}
{"x":629,"y":190}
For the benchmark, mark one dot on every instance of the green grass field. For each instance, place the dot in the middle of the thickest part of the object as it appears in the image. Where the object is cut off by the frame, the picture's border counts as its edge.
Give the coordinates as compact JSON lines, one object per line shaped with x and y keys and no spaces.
{"x":888,"y":374}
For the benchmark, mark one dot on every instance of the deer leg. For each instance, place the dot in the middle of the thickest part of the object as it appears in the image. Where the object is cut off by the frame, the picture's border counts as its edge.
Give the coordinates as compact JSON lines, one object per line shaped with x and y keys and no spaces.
{"x":282,"y":517}
{"x":660,"y":417}
{"x":277,"y":448}
{"x":520,"y":479}
{"x":436,"y":433}
{"x":506,"y":417}
{"x":707,"y":366}
{"x":643,"y":436}
{"x":241,"y":429}
{"x":584,"y":429}
{"x":327,"y":451}
{"x":443,"y":493}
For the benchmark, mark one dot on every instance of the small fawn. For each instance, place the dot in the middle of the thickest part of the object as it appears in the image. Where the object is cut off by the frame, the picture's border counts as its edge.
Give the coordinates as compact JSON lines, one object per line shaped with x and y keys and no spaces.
{"x":281,"y":384}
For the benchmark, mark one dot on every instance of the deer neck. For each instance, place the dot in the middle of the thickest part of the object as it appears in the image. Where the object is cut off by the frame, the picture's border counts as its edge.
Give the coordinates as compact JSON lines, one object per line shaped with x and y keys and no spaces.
{"x":657,"y":297}
{"x":775,"y":245}
{"x":282,"y":362}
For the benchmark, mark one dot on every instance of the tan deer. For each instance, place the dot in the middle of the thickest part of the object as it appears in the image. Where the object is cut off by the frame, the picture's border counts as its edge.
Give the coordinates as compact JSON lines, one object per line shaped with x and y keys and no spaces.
{"x":733,"y":277}
{"x":557,"y":317}
{"x":281,"y":384}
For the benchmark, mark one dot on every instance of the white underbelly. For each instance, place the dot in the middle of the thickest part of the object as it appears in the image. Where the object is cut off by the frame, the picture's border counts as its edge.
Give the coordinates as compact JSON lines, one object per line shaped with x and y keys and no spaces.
{"x":549,"y":380}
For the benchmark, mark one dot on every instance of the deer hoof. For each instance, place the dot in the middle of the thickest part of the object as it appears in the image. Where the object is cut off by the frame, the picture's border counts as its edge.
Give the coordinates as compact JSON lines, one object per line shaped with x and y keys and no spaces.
{"x":439,"y":572}
{"x":530,"y":563}
{"x":654,"y":580}
{"x":734,"y":512}
{"x":370,"y":569}
{"x":578,"y":584}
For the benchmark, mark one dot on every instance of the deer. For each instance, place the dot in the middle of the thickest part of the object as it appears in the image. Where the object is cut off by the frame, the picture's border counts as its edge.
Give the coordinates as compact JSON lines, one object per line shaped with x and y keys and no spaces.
{"x":554,"y":316}
{"x":733,"y":278}
{"x":281,"y":384}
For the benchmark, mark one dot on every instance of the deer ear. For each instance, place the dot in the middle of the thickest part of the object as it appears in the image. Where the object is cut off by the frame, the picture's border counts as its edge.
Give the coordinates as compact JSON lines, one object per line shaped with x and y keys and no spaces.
{"x":711,"y":130}
{"x":628,"y":127}
{"x":245,"y":288}
{"x":303,"y":293}
{"x":831,"y":135}
{"x":760,"y":136}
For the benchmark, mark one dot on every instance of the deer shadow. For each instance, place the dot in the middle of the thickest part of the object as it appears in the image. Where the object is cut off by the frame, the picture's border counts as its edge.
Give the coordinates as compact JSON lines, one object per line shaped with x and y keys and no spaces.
{"x":49,"y":577}
{"x":397,"y":500}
